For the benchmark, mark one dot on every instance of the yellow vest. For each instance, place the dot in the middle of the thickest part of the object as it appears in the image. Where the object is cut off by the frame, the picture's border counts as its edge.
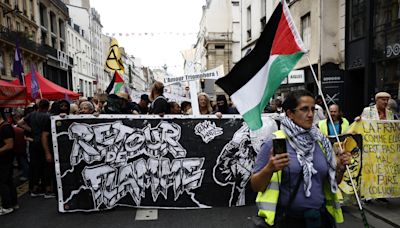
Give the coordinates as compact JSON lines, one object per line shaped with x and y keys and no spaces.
{"x":323,"y":126}
{"x":267,"y":201}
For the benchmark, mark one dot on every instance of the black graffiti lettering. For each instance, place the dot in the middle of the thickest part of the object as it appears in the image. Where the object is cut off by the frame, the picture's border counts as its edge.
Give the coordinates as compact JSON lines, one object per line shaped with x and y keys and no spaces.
{"x":82,"y":149}
{"x":95,"y":178}
{"x":171,"y":135}
{"x":153,"y":142}
{"x":104,"y":134}
{"x":134,"y":145}
{"x":187,"y":174}
{"x":122,"y":131}
{"x":159,"y":171}
{"x":118,"y":142}
{"x":109,"y":185}
{"x":132,"y":181}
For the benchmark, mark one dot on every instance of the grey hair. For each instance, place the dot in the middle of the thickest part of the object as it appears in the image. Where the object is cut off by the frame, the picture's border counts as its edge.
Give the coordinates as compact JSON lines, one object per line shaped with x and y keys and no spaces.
{"x":87,"y":104}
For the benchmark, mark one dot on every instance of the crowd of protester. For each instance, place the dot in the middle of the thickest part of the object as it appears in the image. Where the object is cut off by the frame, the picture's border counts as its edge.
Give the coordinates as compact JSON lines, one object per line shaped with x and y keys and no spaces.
{"x":25,"y":134}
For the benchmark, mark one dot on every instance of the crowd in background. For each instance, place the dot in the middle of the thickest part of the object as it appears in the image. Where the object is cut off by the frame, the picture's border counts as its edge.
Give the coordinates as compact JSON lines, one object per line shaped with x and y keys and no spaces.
{"x":26,"y":133}
{"x":26,"y":143}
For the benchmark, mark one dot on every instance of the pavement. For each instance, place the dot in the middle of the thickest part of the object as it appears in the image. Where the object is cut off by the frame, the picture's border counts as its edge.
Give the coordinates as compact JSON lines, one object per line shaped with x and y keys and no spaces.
{"x":387,"y":212}
{"x":42,"y":213}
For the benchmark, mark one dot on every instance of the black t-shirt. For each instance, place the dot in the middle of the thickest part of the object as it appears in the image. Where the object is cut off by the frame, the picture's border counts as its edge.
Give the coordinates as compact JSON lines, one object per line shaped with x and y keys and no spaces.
{"x":136,"y":107}
{"x":36,"y":121}
{"x":6,"y":132}
{"x":159,"y":106}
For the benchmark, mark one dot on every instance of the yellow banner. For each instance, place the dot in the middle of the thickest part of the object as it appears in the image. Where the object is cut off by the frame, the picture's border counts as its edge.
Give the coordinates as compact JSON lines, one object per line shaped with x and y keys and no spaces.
{"x":353,"y":144}
{"x":114,"y":60}
{"x":380,"y":175}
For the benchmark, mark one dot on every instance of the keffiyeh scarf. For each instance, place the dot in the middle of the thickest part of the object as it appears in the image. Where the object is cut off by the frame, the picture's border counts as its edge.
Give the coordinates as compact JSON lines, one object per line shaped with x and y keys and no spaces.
{"x":303,"y":141}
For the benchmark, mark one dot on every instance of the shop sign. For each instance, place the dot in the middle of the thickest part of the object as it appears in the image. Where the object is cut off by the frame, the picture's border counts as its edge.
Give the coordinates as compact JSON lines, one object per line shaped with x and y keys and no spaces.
{"x":296,"y":76}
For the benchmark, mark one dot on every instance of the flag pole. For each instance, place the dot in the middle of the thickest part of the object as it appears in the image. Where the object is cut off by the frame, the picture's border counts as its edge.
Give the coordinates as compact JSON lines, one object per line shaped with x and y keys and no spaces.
{"x":23,"y":79}
{"x":340,"y":145}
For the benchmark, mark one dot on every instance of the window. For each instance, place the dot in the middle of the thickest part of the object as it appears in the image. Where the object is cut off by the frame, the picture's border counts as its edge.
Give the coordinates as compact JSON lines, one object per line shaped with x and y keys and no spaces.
{"x":306,"y":30}
{"x":263,"y":19}
{"x":32,"y":8}
{"x":44,"y":37}
{"x":54,"y":42}
{"x":61,"y":28}
{"x":357,"y":19}
{"x":53,"y":22}
{"x":18,"y":26}
{"x":24,"y":7}
{"x":2,"y":68}
{"x":43,"y":13}
{"x":248,"y":30}
{"x":9,"y":23}
{"x":386,"y":14}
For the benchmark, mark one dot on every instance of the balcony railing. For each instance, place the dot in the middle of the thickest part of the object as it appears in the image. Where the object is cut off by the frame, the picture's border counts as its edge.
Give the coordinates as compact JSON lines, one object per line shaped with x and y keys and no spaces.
{"x":11,"y":36}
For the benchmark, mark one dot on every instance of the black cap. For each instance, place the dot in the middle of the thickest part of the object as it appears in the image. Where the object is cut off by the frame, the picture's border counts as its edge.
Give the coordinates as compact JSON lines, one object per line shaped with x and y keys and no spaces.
{"x":145,"y":97}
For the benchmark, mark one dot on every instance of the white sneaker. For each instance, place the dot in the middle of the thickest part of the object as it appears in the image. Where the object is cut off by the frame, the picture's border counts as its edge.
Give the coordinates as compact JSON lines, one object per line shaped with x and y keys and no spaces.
{"x":4,"y":211}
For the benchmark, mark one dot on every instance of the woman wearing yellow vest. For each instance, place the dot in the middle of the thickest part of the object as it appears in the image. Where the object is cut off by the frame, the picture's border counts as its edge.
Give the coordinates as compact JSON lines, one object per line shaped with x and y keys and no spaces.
{"x":298,"y":188}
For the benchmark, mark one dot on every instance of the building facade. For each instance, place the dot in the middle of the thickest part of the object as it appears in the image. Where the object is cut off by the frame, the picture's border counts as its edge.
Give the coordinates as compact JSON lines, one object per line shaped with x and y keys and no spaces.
{"x":372,"y":51}
{"x":18,"y":21}
{"x":53,"y":17}
{"x":216,"y":43}
{"x":79,"y":49}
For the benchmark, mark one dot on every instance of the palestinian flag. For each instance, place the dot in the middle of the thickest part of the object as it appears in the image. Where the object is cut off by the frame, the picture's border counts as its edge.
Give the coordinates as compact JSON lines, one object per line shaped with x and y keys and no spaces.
{"x":254,"y":79}
{"x":116,"y":84}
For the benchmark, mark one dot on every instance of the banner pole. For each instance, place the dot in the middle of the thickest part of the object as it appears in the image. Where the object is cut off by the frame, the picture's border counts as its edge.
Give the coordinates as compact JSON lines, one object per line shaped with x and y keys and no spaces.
{"x":340,"y":145}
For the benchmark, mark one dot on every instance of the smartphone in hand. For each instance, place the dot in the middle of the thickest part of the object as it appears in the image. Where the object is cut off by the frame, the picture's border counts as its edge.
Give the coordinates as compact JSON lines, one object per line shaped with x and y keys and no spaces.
{"x":279,"y":146}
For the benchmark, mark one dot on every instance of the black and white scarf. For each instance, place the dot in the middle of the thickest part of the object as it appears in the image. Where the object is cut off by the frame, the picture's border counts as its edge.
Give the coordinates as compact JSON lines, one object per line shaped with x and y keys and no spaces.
{"x":303,"y":142}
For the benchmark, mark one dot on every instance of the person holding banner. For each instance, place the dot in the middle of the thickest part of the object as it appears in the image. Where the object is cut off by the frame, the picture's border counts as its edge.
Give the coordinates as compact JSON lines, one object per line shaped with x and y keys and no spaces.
{"x":297,"y":186}
{"x":380,"y":110}
{"x":204,"y":104}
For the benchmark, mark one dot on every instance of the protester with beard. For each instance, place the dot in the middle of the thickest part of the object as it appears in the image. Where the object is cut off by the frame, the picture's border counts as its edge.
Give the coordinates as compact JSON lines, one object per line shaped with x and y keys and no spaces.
{"x":340,"y":123}
{"x":8,"y":192}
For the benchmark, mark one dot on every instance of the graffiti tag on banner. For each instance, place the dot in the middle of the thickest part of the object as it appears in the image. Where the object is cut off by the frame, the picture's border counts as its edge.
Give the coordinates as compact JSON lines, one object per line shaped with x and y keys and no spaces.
{"x":158,"y":162}
{"x":381,"y":158}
